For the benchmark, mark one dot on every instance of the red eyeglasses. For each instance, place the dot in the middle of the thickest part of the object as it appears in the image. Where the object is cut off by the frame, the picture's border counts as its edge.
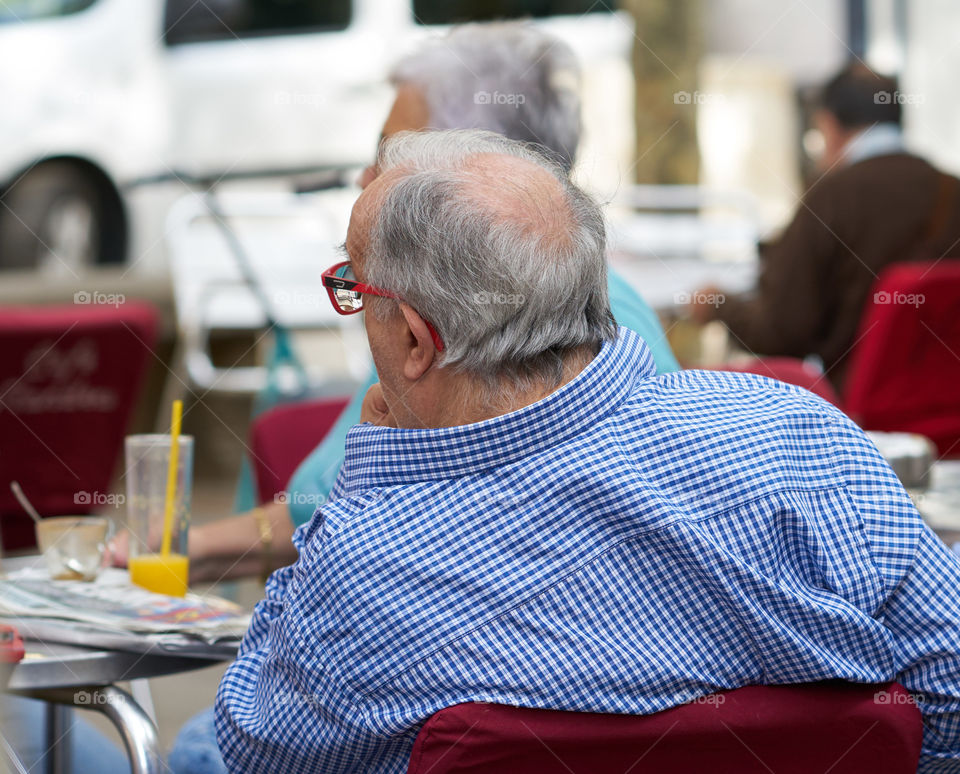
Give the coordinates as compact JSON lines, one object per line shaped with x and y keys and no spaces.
{"x":346,"y":294}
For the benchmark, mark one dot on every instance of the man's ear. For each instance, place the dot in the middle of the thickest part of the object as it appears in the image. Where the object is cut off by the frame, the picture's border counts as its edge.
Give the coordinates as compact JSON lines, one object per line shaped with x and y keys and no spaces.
{"x":420,"y":351}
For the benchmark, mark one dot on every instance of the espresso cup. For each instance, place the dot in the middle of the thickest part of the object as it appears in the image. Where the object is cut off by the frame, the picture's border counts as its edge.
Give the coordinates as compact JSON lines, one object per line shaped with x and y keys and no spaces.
{"x":73,"y":546}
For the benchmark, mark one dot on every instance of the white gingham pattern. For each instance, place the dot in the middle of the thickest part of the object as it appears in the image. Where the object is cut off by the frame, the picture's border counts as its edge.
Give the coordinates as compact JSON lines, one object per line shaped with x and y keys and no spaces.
{"x":629,"y":543}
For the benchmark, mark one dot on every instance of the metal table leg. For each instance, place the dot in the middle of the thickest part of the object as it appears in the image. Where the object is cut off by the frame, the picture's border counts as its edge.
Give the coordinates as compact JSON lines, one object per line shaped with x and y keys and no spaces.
{"x":58,"y":739}
{"x":138,"y":732}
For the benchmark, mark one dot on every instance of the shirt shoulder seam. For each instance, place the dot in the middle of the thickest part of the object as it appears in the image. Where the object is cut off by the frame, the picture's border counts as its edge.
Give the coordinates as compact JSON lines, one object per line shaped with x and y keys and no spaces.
{"x":880,"y":580}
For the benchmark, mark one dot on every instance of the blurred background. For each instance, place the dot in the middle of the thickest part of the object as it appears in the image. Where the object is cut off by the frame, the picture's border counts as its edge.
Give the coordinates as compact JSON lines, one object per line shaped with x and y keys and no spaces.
{"x":109,"y":102}
{"x":202,"y":156}
{"x":122,"y":117}
{"x":182,"y":151}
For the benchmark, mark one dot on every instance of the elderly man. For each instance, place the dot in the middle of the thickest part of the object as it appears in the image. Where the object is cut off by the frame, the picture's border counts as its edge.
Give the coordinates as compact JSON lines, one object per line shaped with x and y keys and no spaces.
{"x":442,"y":85}
{"x":531,"y":515}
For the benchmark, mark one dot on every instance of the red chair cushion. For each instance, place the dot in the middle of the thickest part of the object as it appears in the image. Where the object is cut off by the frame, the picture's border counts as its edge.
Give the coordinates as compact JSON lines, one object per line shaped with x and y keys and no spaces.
{"x":904,"y":372}
{"x":789,"y":729}
{"x":69,"y":379}
{"x":283,"y":437}
{"x":791,"y":371}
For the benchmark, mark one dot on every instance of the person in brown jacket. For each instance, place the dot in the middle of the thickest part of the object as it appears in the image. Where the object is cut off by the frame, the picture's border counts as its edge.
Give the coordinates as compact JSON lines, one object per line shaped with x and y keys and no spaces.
{"x":875,"y":204}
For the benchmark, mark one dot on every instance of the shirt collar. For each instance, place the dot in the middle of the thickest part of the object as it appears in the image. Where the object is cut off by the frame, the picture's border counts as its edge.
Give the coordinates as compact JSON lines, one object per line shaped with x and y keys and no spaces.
{"x":388,"y":456}
{"x":877,"y":140}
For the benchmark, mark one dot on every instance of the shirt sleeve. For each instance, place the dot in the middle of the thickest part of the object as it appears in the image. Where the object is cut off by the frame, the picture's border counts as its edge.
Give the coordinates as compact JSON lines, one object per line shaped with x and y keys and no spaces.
{"x":271,"y":606}
{"x":920,"y":578}
{"x":785,"y":313}
{"x":313,"y":481}
{"x":280,"y":707}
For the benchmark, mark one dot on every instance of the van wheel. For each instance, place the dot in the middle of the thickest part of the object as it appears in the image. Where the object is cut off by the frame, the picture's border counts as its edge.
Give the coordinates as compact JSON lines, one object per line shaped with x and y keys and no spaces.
{"x":57,"y":218}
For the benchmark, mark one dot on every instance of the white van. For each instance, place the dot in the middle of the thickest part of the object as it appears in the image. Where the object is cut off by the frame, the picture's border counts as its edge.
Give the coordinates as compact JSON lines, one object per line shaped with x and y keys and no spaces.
{"x":98,"y":94}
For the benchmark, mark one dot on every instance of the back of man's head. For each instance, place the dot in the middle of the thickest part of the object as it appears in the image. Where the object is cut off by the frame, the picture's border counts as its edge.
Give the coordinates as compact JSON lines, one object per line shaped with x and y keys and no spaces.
{"x":494,"y":244}
{"x":859,"y":97}
{"x":508,"y":78}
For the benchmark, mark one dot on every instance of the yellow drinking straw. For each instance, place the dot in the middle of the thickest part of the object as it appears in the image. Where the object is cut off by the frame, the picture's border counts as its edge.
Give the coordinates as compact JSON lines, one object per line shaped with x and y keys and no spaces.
{"x":172,"y":476}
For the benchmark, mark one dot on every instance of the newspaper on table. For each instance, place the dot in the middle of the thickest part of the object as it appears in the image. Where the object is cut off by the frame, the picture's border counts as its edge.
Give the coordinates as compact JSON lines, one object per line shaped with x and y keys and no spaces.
{"x":112,"y":613}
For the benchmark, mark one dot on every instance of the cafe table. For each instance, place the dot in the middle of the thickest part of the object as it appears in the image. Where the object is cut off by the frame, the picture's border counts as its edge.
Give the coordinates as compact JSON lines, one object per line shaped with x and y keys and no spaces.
{"x":939,"y":501}
{"x":69,"y":676}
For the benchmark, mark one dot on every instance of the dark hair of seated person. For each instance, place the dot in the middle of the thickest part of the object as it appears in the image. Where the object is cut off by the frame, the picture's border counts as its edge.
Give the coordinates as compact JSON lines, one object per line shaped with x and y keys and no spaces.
{"x":857,"y":96}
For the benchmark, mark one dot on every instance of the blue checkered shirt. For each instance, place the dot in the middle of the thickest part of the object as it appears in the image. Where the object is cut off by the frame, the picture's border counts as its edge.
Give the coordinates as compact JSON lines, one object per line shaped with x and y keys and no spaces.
{"x":627,"y":544}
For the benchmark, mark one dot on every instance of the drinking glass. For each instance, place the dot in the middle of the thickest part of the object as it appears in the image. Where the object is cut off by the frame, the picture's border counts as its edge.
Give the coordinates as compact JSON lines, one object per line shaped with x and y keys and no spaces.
{"x":148,"y":459}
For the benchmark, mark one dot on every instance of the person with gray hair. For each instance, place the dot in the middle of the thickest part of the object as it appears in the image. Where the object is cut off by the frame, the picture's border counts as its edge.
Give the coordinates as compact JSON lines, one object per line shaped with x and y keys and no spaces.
{"x":510,"y":300}
{"x":509,"y":78}
{"x":530,"y":515}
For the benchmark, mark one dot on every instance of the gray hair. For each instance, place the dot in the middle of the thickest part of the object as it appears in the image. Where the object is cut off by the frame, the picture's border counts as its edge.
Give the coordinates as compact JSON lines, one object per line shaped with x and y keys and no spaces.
{"x":508,"y":78}
{"x":511,"y":290}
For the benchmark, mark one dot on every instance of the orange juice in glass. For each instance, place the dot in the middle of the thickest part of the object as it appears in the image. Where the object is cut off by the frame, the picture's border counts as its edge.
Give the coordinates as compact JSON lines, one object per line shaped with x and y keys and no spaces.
{"x":159,"y":573}
{"x":147,"y":458}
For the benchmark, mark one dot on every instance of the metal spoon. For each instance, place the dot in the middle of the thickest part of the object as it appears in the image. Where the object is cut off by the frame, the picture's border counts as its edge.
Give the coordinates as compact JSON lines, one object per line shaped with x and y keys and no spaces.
{"x":24,"y":502}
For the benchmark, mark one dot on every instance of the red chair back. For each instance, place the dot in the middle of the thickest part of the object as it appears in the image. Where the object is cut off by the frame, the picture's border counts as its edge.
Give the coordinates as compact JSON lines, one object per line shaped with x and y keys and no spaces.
{"x":69,"y":379}
{"x":904,"y":372}
{"x":790,"y":729}
{"x":283,"y":437}
{"x":789,"y":370}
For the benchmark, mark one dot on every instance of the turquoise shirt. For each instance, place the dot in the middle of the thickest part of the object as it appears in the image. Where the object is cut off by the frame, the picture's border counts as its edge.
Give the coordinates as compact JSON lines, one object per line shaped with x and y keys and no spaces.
{"x":316,"y":474}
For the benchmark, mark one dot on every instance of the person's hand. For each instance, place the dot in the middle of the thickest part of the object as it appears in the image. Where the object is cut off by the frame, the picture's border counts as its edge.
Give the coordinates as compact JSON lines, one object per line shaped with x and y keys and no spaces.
{"x":118,"y":550}
{"x":703,"y":304}
{"x":375,"y":409}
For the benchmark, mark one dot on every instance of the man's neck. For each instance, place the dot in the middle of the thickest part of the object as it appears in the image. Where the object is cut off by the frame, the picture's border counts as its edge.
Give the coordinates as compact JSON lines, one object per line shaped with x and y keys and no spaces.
{"x":452,"y":399}
{"x":877,"y":140}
